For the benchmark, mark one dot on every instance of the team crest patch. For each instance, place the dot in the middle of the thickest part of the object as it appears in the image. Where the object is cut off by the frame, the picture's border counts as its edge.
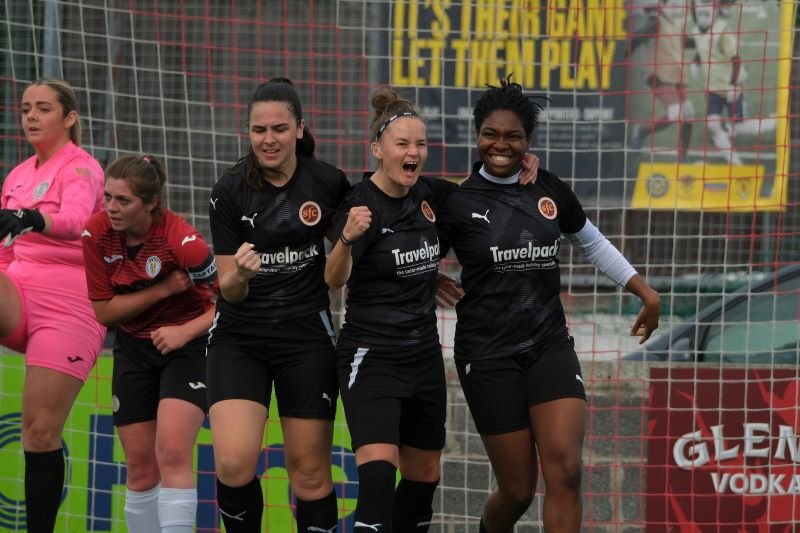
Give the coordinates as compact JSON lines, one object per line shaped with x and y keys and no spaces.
{"x":114,"y":404}
{"x":547,"y":207}
{"x":427,"y":211}
{"x":310,"y":213}
{"x":153,"y":266}
{"x":40,"y":189}
{"x":657,"y":185}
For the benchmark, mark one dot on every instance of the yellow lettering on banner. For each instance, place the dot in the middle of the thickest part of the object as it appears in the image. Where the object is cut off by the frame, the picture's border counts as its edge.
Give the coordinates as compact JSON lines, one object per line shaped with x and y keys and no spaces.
{"x":483,"y":69}
{"x":521,"y":64}
{"x":606,"y":49}
{"x":435,"y":73}
{"x":586,"y":71}
{"x":575,"y":23}
{"x":423,"y":57}
{"x":401,"y":61}
{"x":555,"y":18}
{"x":586,"y":67}
{"x":587,"y":18}
{"x":484,"y":12}
{"x":566,"y":80}
{"x":440,"y":27}
{"x":617,"y":29}
{"x":399,"y":19}
{"x":514,"y":15}
{"x":551,"y":59}
{"x":466,"y":20}
{"x":499,"y":37}
{"x":460,"y":47}
{"x":413,"y":18}
{"x":530,"y":22}
{"x":596,"y":17}
{"x":502,"y":16}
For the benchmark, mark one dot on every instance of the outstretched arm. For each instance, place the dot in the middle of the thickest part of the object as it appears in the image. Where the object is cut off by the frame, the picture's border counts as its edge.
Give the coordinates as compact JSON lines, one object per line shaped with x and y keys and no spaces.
{"x":605,"y":256}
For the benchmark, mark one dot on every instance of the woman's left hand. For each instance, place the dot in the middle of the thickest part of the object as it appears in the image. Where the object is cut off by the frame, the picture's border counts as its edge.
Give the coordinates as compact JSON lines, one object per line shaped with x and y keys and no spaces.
{"x":647,"y":321}
{"x":168,"y":338}
{"x":530,"y":167}
{"x":448,"y":293}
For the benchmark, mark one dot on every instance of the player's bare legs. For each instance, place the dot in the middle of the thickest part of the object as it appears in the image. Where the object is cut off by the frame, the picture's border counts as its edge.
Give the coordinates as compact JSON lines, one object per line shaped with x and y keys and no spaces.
{"x":513,"y":459}
{"x":559,"y":427}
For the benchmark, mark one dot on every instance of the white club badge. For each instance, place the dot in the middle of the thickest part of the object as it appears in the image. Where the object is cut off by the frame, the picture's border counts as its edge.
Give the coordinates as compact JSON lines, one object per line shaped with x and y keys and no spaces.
{"x":41,"y":189}
{"x":153,"y":266}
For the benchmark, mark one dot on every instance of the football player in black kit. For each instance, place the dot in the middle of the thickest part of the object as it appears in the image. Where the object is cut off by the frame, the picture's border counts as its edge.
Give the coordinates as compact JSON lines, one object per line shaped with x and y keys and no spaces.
{"x":515,"y":359}
{"x":391,"y":373}
{"x":269,"y":214}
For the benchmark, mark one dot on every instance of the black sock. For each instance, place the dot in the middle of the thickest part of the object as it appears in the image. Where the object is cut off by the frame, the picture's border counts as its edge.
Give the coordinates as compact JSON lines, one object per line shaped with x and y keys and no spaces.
{"x":413,"y":506}
{"x":44,"y":482}
{"x":376,"y":481}
{"x":320,"y":514}
{"x":241,"y":507}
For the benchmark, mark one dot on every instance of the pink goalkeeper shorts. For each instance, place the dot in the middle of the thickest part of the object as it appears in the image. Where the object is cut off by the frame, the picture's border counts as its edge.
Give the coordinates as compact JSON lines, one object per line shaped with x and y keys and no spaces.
{"x":58,"y":329}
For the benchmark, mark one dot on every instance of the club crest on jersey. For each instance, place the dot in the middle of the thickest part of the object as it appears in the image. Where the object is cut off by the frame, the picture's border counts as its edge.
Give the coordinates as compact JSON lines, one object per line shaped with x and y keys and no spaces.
{"x":310,"y":213}
{"x":547,"y":207}
{"x":427,"y":211}
{"x":41,"y":189}
{"x":153,"y":266}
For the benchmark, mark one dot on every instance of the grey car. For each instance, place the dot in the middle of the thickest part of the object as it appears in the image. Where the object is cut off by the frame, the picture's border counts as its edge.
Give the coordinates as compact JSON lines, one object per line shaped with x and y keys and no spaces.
{"x":757,"y":324}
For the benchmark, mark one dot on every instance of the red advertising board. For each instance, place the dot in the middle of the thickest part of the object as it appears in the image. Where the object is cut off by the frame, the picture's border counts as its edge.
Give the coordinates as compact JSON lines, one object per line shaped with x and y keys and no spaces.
{"x":723,"y":451}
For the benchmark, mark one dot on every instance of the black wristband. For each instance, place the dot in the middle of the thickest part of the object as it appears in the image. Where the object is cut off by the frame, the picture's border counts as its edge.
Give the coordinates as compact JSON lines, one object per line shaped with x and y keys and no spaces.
{"x":344,"y":240}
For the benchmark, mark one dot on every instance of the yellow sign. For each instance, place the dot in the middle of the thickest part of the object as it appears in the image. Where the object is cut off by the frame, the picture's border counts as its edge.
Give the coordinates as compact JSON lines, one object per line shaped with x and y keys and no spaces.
{"x":706,"y":186}
{"x":466,"y":44}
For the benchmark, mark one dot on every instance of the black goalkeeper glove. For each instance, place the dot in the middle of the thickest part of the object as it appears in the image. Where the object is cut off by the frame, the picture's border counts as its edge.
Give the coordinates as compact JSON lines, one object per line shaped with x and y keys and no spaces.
{"x":15,"y":223}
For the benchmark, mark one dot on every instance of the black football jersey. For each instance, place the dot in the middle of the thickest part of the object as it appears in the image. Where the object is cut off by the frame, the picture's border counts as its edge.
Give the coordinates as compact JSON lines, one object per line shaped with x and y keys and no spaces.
{"x":391,"y":289}
{"x":287,"y":225}
{"x":507,"y":239}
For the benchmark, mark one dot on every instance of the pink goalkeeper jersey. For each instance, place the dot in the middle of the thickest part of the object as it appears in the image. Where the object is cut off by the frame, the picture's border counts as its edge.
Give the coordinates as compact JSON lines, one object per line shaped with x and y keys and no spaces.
{"x":69,"y":188}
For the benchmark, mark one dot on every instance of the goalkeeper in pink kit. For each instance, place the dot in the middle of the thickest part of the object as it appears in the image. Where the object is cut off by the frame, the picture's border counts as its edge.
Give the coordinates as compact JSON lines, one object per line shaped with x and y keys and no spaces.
{"x":45,"y":312}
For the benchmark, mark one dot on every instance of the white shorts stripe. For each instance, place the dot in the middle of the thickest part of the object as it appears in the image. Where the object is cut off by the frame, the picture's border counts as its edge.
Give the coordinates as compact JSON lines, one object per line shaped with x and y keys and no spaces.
{"x":357,"y":359}
{"x":328,"y":326}
{"x":211,"y":330}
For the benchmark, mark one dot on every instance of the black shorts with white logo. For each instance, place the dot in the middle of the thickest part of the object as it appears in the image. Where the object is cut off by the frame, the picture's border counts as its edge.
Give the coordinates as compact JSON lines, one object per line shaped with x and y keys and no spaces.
{"x":142,"y":377}
{"x":397,"y":397}
{"x":500,"y":391}
{"x":298,"y":356}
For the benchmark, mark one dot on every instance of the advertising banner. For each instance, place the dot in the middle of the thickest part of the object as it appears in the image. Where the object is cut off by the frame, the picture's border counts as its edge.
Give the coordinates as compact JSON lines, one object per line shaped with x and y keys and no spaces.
{"x":723,"y":449}
{"x":708,"y":106}
{"x":94,"y":495}
{"x":665,"y":104}
{"x":443,"y":54}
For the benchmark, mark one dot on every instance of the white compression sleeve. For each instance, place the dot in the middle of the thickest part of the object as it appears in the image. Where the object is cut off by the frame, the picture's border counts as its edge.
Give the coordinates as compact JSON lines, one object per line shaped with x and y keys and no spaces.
{"x":602,"y":254}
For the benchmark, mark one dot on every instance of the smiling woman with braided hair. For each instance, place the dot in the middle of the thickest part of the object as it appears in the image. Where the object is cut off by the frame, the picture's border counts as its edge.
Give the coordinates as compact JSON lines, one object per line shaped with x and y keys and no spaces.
{"x":514,"y":356}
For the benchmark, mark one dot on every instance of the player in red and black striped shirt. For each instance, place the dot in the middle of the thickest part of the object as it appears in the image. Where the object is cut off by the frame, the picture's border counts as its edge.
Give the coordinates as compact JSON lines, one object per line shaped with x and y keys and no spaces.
{"x":151,"y":274}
